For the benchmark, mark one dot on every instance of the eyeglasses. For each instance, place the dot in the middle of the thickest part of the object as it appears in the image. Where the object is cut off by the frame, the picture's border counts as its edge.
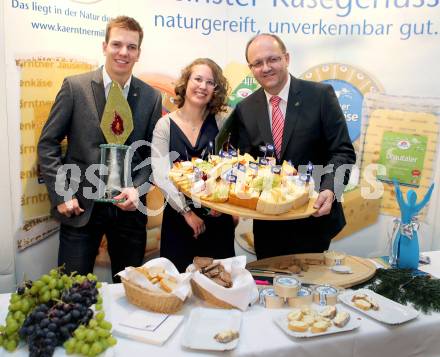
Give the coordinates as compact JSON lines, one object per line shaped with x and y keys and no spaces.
{"x":270,"y":61}
{"x":199,"y":80}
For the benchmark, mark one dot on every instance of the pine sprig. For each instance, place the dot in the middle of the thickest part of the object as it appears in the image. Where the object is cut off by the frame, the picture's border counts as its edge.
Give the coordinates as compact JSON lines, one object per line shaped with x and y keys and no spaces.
{"x":404,"y":286}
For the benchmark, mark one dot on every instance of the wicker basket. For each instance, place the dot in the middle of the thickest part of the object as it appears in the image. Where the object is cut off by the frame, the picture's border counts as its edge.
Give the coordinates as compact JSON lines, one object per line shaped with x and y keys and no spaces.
{"x":210,"y":299}
{"x":151,"y":300}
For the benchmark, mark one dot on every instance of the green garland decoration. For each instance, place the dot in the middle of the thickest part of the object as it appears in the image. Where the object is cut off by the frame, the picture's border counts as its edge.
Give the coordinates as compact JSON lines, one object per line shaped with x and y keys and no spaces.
{"x":406,"y":286}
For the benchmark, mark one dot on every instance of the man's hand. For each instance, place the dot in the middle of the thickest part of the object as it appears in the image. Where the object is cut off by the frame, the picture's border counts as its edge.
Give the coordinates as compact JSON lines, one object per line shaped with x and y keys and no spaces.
{"x":131,"y":196}
{"x":70,"y":208}
{"x":324,"y":203}
{"x":195,"y":222}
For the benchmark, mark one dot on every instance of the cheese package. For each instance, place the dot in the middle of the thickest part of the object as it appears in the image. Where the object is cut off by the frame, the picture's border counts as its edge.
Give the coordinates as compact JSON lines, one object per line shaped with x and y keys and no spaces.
{"x":406,"y":115}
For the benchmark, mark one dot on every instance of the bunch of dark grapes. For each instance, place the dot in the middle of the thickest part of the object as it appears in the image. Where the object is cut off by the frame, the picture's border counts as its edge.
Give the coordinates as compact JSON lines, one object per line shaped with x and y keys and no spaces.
{"x":85,"y":293}
{"x":51,"y":324}
{"x":28,"y":295}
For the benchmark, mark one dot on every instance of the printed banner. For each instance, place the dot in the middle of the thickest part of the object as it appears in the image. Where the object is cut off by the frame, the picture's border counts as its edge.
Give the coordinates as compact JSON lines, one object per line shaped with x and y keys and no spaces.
{"x":359,"y":48}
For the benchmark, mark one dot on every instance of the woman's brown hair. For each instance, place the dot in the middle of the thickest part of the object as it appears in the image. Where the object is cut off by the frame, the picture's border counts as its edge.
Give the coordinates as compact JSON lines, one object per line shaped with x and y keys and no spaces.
{"x":219,"y":97}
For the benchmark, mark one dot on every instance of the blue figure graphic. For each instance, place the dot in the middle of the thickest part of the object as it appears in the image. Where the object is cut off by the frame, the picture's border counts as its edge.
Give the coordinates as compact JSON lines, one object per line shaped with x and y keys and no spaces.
{"x":406,"y":243}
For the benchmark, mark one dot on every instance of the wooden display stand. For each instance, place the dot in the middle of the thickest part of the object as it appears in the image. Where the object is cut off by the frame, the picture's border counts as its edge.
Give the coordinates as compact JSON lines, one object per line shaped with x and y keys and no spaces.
{"x":362,"y":269}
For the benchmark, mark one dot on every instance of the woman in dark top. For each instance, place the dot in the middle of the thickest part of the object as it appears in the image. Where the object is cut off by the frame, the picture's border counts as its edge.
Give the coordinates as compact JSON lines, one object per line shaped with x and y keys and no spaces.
{"x":188,"y":132}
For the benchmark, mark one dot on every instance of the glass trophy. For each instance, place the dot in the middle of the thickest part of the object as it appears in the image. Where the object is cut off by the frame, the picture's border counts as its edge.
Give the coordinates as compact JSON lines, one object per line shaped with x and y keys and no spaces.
{"x":113,"y":173}
{"x":116,"y":125}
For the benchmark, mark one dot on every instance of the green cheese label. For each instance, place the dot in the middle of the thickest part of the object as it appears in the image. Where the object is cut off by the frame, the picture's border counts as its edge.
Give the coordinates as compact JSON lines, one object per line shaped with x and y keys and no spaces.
{"x":247,"y":86}
{"x":402,"y":157}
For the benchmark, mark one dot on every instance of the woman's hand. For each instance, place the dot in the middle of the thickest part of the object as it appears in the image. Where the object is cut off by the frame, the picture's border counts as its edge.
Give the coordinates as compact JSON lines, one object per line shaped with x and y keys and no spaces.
{"x":195,"y":222}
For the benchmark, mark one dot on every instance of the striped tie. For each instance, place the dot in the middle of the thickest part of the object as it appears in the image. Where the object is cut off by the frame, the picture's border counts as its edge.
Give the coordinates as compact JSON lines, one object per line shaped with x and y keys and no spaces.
{"x":277,"y":123}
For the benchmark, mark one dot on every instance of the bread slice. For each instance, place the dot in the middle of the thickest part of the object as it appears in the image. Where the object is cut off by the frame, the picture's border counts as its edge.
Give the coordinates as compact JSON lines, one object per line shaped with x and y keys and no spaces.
{"x":358,"y":297}
{"x":309,"y":319}
{"x":202,"y":262}
{"x":324,"y":319}
{"x":362,"y":304}
{"x":373,"y":303}
{"x":298,"y":326}
{"x":154,"y":272}
{"x":167,"y":285}
{"x":143,"y":271}
{"x":329,"y":312}
{"x":319,"y":326}
{"x":341,"y":319}
{"x":295,"y":315}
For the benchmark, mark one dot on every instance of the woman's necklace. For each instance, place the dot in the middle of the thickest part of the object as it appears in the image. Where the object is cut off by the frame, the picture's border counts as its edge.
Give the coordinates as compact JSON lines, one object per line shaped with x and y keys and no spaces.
{"x":191,"y":125}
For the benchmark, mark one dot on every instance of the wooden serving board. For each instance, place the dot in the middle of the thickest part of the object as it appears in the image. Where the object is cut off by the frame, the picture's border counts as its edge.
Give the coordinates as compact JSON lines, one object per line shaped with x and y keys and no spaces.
{"x":362,"y":270}
{"x":301,"y":212}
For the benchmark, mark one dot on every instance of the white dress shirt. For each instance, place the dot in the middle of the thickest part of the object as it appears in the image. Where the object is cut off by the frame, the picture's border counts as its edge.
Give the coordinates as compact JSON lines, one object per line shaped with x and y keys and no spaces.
{"x":108,"y":81}
{"x":284,"y":95}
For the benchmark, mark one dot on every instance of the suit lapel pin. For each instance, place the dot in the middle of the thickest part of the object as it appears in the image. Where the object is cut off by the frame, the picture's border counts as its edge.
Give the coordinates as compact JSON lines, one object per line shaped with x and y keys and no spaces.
{"x":135,"y":94}
{"x":297,"y":104}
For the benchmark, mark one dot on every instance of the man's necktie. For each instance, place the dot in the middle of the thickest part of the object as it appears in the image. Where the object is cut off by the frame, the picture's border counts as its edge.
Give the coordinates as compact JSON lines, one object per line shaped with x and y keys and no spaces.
{"x":277,"y":123}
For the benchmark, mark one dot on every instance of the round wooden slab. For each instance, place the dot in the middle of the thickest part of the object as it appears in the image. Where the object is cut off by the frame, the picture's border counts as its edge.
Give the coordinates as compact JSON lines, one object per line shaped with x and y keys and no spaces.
{"x":362,"y":269}
{"x":301,"y":212}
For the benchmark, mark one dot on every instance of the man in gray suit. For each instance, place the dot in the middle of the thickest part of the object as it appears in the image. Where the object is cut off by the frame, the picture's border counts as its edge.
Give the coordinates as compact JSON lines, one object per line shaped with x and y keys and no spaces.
{"x":304,"y":123}
{"x":76,"y":115}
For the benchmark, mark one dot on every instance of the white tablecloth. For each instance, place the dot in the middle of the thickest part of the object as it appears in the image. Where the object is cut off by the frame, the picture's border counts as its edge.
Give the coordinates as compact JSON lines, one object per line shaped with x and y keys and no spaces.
{"x":259,"y":336}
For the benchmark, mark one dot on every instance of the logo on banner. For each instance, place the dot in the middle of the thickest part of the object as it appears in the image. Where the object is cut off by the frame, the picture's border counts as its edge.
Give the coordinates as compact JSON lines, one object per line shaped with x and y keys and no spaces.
{"x":350,"y":85}
{"x":350,"y":100}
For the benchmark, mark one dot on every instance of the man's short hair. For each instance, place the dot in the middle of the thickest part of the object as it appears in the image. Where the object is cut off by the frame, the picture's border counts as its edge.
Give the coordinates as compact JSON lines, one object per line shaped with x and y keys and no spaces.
{"x":275,"y":37}
{"x":124,"y":22}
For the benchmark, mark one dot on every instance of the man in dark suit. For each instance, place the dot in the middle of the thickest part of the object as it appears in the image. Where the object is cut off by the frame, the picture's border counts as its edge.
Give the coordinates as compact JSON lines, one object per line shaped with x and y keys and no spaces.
{"x":304,"y":123}
{"x":76,"y":114}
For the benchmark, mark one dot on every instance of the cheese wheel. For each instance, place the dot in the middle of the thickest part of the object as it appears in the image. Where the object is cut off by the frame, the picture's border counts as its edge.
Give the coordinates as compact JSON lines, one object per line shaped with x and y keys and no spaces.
{"x":332,"y":258}
{"x":270,"y":300}
{"x":304,"y":297}
{"x":325,"y":295}
{"x":286,"y":286}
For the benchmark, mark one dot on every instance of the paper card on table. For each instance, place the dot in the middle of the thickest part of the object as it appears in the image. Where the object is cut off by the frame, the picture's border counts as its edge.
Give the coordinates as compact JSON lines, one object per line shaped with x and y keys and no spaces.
{"x":144,"y":320}
{"x":157,"y":337}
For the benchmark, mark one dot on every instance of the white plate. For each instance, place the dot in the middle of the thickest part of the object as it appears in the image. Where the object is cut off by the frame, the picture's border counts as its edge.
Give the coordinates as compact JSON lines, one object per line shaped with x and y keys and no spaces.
{"x":390,"y":312}
{"x":242,"y":242}
{"x":353,"y":323}
{"x":203,"y":324}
